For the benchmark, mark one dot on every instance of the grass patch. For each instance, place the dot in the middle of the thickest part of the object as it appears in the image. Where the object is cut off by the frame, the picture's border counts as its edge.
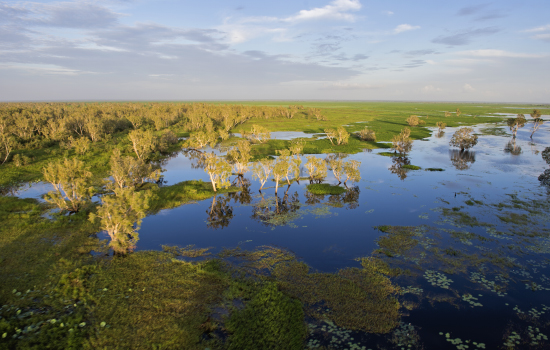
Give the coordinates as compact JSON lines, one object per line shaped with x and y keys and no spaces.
{"x":325,"y":189}
{"x":184,"y":192}
{"x":388,"y":154}
{"x":411,"y":167}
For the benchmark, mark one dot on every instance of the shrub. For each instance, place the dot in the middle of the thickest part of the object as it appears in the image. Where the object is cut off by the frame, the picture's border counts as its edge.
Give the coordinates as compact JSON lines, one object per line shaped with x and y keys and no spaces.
{"x":413,"y":120}
{"x":367,"y":134}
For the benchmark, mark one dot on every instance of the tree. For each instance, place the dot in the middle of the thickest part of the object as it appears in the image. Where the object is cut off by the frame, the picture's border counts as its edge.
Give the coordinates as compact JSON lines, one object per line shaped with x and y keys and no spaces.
{"x":331,"y":135}
{"x":281,"y":168}
{"x":143,"y":142}
{"x":343,"y":135}
{"x":447,"y":114}
{"x":351,"y":168}
{"x":413,"y":120}
{"x":316,"y":168}
{"x":464,"y":138}
{"x":257,"y":134}
{"x":537,"y":121}
{"x":402,"y":143}
{"x":240,"y":156}
{"x":7,"y":145}
{"x":218,"y":169}
{"x":130,"y":172}
{"x":458,"y":112}
{"x":261,"y":170}
{"x":71,"y":180}
{"x":440,"y":126}
{"x":120,"y":215}
{"x":337,"y":167}
{"x":516,"y":123}
{"x":201,"y":139}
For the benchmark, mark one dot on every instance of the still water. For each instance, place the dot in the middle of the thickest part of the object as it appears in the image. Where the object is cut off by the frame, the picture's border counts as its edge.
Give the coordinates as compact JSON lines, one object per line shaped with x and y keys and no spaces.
{"x":477,"y":271}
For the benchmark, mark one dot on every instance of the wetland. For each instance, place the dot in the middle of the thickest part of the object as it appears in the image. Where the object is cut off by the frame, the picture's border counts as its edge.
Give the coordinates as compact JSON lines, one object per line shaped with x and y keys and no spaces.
{"x":351,"y":241}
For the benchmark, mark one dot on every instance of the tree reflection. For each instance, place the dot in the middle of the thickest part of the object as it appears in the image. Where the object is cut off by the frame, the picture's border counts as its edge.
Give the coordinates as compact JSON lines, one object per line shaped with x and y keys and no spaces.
{"x":220,"y":213}
{"x":397,"y":167}
{"x":243,"y":196}
{"x":462,"y":160}
{"x":197,"y":158}
{"x":349,"y":198}
{"x":277,"y":211}
{"x":512,"y":148}
{"x":440,"y":134}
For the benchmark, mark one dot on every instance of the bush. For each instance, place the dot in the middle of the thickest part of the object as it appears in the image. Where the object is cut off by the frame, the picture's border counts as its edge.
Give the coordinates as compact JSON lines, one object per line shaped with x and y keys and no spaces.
{"x":413,"y":120}
{"x":367,"y":134}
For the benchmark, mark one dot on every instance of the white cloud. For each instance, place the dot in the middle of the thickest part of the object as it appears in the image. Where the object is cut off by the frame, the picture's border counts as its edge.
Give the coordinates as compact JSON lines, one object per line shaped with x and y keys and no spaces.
{"x":430,"y":89}
{"x":404,"y":28}
{"x":389,"y":13}
{"x":538,"y":29}
{"x":335,"y":10}
{"x":468,"y":88}
{"x":497,"y":53}
{"x":545,"y":37}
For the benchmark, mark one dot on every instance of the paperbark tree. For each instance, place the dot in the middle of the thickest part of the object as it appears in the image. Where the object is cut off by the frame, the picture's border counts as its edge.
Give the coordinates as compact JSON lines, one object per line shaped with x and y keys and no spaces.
{"x":218,"y":169}
{"x":464,"y":138}
{"x":71,"y":180}
{"x":143,"y":142}
{"x":402,"y":143}
{"x":351,"y":168}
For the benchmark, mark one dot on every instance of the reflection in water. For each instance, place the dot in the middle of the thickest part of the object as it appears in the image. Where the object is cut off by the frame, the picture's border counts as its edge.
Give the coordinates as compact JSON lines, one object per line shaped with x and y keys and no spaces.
{"x":439,"y":134}
{"x":243,"y":196}
{"x":349,"y":198}
{"x":220,"y":213}
{"x":462,"y":160}
{"x":196,"y":157}
{"x":397,"y":167}
{"x":512,"y":148}
{"x":275,"y":211}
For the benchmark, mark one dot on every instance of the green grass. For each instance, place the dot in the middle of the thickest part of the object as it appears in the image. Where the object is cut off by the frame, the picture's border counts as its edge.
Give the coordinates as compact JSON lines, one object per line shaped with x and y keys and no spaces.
{"x":325,"y":189}
{"x":183,"y":192}
{"x":411,"y":167}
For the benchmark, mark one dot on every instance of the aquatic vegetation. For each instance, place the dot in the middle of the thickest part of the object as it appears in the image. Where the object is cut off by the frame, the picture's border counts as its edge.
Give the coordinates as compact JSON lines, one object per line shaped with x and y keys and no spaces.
{"x":356,"y":299}
{"x":434,"y":169}
{"x":460,"y":344}
{"x":490,"y":285}
{"x":188,"y":251}
{"x":406,"y":337}
{"x":411,"y":167}
{"x":398,"y":241}
{"x":470,"y":299}
{"x":270,"y":320}
{"x":437,"y":279}
{"x":321,"y":189}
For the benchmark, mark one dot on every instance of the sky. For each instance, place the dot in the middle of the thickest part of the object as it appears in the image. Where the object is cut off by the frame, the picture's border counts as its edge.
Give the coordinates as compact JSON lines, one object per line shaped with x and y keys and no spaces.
{"x":424,"y":50}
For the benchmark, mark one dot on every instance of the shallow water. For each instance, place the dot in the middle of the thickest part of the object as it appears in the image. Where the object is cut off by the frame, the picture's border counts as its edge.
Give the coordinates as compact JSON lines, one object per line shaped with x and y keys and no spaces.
{"x":492,"y":183}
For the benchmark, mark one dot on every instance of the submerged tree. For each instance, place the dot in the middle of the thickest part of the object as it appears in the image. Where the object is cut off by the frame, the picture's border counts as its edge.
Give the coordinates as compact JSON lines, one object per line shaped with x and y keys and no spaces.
{"x":537,"y":121}
{"x":218,"y":169}
{"x":261,"y":170}
{"x":71,"y":180}
{"x":281,"y":168}
{"x":120,"y":215}
{"x":516,"y":123}
{"x":240,"y":156}
{"x":351,"y":168}
{"x":441,"y":126}
{"x":402,"y":143}
{"x":316,"y":168}
{"x":337,"y":166}
{"x":464,"y":138}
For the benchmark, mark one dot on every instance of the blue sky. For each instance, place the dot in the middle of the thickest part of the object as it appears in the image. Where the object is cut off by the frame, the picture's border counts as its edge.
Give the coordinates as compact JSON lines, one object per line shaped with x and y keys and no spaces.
{"x":335,"y":50}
